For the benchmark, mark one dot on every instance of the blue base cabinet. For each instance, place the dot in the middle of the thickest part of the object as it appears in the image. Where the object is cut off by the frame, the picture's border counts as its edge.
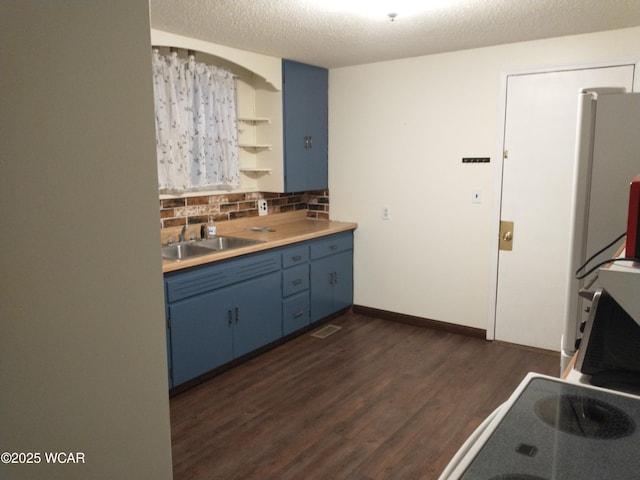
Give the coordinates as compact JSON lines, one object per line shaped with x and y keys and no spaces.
{"x":295,"y":288}
{"x":212,"y":329}
{"x":331,"y":275}
{"x":295,"y":313}
{"x":257,"y":313}
{"x":201,"y":335}
{"x":223,"y":310}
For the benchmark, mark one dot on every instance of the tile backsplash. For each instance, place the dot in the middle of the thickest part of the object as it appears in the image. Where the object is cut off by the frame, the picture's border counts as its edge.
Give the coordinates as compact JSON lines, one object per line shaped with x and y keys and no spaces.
{"x":176,"y":212}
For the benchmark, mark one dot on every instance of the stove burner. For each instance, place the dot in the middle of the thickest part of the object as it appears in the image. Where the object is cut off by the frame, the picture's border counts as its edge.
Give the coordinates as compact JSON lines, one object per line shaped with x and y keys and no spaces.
{"x":516,"y":476}
{"x":584,"y":417}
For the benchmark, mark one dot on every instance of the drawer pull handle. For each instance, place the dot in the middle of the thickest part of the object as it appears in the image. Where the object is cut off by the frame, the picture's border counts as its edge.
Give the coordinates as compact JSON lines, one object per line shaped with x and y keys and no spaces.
{"x":297,"y":281}
{"x":333,"y":247}
{"x":237,"y":314}
{"x":296,"y":258}
{"x":298,"y":314}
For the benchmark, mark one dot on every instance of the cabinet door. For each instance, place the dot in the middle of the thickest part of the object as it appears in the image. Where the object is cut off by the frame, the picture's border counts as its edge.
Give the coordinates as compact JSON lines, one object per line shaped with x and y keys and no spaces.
{"x":201,"y":335}
{"x":169,"y":356}
{"x":305,"y":111}
{"x":295,"y":126}
{"x":331,"y":284}
{"x":343,"y":280}
{"x":321,"y":288}
{"x":257,"y":313}
{"x":317,"y":170}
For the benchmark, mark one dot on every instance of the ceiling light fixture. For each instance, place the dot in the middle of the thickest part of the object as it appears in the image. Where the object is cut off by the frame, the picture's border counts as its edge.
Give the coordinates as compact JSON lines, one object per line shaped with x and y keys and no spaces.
{"x":392,"y":16}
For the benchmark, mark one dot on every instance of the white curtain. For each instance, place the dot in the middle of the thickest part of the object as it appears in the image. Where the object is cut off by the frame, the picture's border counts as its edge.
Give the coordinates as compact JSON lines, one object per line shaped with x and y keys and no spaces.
{"x":196,"y":125}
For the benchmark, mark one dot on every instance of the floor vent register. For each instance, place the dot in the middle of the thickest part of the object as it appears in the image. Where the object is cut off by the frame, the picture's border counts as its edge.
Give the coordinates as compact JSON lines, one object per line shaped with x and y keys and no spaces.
{"x":324,"y":332}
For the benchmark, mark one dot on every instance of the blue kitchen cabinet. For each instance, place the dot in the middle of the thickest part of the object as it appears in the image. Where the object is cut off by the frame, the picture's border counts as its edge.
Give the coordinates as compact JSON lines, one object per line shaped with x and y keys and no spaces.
{"x":168,"y":340}
{"x":305,"y":115}
{"x":222,"y":311}
{"x":331,"y":275}
{"x":295,"y":312}
{"x":201,"y":334}
{"x":295,"y":288}
{"x":257,"y":314}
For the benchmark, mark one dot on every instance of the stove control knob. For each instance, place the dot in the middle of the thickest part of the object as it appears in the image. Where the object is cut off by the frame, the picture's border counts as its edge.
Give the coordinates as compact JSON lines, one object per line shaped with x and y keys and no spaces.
{"x":582,"y":326}
{"x":577,"y":344}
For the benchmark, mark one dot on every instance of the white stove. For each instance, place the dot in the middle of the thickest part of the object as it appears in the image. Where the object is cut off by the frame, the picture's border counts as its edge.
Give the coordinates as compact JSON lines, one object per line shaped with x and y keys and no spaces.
{"x":552,"y":429}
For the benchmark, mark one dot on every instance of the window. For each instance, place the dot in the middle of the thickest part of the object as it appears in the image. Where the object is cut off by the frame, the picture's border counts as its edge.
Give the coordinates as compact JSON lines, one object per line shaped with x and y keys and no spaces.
{"x":196,"y":125}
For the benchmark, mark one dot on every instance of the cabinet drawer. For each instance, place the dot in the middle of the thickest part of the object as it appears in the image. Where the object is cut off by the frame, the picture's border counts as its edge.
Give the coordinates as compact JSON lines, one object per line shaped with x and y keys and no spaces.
{"x":295,"y":256}
{"x":295,"y":279}
{"x":332,"y":244}
{"x":198,"y":280}
{"x":295,"y":313}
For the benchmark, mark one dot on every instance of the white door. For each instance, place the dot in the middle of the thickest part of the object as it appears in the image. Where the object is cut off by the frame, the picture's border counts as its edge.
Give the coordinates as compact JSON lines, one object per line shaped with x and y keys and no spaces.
{"x":537,"y":178}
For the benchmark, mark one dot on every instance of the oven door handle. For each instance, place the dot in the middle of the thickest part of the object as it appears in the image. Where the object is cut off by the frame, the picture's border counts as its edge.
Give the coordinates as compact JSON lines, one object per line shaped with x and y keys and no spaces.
{"x":466,"y":446}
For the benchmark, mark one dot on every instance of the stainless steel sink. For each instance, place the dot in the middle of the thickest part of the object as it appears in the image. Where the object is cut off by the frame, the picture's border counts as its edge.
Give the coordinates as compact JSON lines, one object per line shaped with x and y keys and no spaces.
{"x":227,"y":243}
{"x":180,"y":251}
{"x":183,"y":250}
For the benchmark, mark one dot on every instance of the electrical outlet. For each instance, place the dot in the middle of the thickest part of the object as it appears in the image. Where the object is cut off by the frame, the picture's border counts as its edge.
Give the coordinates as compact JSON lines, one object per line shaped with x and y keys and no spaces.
{"x":262,"y":207}
{"x":385,"y":213}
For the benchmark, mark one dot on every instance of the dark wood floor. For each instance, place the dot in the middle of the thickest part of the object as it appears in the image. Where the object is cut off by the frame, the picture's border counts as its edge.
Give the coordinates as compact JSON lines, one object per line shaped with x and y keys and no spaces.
{"x":376,"y":400}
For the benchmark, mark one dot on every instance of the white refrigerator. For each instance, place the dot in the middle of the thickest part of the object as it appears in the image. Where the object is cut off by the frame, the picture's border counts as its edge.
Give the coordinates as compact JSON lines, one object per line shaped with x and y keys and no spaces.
{"x":607,"y":158}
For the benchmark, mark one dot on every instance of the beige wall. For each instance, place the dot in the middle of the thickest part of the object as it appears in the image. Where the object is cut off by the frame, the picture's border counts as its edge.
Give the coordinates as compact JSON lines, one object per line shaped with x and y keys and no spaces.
{"x":82,"y":335}
{"x":397,"y":133}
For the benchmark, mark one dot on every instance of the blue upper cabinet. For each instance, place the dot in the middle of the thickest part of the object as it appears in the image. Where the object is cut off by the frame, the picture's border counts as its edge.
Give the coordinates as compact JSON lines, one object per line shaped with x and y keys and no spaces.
{"x":305,"y":104}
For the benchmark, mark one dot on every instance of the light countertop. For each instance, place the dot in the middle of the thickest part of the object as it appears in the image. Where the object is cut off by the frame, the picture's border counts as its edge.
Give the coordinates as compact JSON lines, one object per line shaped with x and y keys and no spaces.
{"x":287,"y":228}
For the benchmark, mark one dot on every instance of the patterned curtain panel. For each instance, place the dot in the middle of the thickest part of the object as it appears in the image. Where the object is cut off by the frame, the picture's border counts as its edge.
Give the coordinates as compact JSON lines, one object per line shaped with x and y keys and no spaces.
{"x":196,"y":125}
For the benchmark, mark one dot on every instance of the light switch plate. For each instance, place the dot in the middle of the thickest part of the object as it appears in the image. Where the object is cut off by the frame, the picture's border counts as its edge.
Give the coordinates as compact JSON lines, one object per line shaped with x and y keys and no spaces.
{"x":476,"y":195}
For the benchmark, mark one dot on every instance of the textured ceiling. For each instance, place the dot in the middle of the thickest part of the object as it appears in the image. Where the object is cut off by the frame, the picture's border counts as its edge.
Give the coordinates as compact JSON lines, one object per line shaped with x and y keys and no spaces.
{"x":315,"y":32}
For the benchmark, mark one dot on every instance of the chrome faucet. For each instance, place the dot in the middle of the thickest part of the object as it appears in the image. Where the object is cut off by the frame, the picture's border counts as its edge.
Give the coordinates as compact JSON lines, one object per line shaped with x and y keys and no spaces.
{"x":181,"y":237}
